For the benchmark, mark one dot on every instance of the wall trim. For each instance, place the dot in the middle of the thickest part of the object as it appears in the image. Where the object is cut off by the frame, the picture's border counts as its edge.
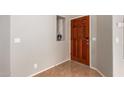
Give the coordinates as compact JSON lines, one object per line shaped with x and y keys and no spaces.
{"x":48,"y":68}
{"x":98,"y":71}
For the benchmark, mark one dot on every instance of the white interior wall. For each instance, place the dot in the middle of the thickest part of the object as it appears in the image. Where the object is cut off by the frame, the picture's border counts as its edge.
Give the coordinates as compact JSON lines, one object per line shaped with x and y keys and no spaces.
{"x":118,"y":45}
{"x":4,"y":45}
{"x":38,"y":44}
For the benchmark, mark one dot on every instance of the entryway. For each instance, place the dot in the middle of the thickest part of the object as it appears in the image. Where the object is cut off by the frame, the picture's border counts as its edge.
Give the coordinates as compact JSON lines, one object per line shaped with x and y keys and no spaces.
{"x":80,"y":40}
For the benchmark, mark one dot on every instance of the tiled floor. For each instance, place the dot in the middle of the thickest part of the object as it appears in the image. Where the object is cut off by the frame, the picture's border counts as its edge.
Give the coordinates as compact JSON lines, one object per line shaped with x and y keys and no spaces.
{"x":70,"y":69}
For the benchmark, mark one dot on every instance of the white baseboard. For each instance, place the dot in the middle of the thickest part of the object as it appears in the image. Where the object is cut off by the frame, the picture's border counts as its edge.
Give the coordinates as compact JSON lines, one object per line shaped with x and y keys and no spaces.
{"x":48,"y":68}
{"x":98,"y":71}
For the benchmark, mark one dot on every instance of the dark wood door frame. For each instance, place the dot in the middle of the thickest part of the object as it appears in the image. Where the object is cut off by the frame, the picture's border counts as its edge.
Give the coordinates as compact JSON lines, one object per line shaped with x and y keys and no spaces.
{"x":88,"y":34}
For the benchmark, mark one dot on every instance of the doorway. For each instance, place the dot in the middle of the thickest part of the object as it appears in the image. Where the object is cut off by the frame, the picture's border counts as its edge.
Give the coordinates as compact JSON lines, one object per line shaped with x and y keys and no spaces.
{"x":80,"y":40}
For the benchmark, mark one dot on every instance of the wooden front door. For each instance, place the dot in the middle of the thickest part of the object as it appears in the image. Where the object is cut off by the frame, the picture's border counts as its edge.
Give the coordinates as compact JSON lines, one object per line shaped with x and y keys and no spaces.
{"x":80,"y":40}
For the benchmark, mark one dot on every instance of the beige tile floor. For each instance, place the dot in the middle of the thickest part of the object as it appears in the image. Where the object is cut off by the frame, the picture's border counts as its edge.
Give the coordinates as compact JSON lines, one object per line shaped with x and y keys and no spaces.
{"x":70,"y":69}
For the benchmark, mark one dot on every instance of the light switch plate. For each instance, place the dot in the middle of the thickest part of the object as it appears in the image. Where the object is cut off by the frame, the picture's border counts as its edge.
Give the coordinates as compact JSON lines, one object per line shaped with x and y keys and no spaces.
{"x":120,"y":24}
{"x":94,"y":38}
{"x":35,"y":66}
{"x":17,"y":40}
{"x":117,"y":40}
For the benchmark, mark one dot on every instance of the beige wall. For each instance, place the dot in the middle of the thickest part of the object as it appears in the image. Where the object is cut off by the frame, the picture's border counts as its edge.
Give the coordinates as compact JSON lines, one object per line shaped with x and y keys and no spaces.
{"x":93,"y":35}
{"x":4,"y":45}
{"x":38,"y":44}
{"x":104,"y":45}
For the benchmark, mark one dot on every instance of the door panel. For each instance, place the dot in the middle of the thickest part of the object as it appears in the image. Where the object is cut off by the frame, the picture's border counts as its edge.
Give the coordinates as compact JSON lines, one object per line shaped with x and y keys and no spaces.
{"x":80,"y":40}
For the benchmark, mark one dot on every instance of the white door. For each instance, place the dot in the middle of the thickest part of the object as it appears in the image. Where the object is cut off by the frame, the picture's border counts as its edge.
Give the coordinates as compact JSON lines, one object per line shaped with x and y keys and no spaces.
{"x":118,"y":45}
